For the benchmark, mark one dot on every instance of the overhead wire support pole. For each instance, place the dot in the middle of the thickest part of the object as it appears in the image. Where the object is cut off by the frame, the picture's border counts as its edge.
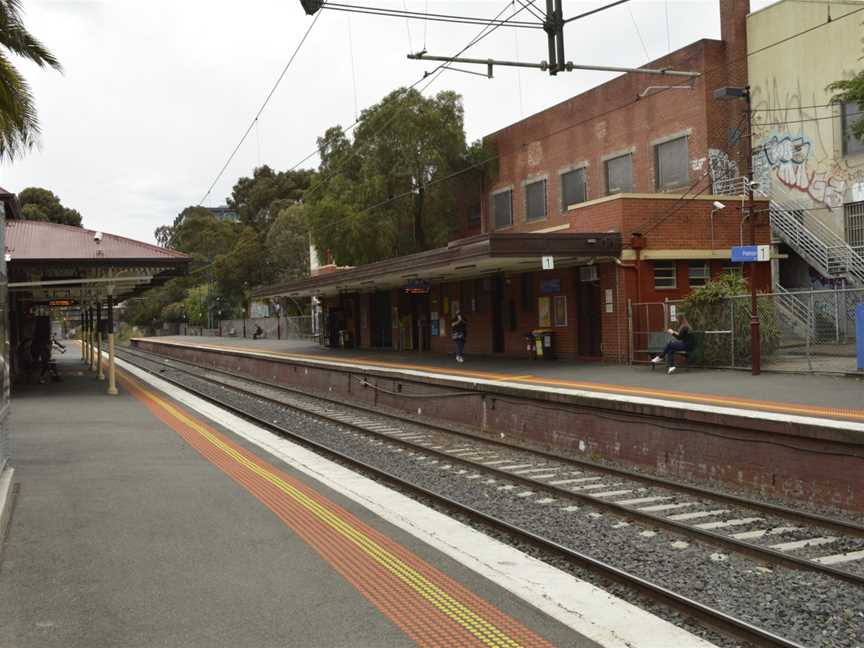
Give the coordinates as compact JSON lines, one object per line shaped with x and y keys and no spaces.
{"x":549,"y":28}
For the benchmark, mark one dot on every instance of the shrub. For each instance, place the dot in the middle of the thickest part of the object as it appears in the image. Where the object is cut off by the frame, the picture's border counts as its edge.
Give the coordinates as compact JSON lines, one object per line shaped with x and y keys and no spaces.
{"x":723,"y":304}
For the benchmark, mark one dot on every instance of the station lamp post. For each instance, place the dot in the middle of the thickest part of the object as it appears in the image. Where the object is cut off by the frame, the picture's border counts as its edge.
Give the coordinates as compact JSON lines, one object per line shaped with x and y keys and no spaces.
{"x":724,"y":94}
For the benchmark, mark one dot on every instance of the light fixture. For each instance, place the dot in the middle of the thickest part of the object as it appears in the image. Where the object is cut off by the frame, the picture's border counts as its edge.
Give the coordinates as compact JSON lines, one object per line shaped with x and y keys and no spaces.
{"x":719,"y":205}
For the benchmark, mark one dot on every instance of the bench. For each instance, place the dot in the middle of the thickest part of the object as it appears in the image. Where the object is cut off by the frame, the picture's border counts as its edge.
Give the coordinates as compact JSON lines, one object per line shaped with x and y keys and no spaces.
{"x":657,"y":342}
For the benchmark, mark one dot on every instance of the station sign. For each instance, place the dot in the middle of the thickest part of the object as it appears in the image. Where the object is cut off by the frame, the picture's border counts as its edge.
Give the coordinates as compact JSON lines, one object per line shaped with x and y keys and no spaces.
{"x":548,"y":262}
{"x":61,"y":302}
{"x":417,"y":287}
{"x":751,"y":253}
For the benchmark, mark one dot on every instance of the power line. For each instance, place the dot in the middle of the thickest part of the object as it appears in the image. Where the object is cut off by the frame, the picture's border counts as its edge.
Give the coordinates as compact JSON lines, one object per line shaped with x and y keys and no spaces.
{"x":415,"y":15}
{"x":260,"y":110}
{"x":807,"y":119}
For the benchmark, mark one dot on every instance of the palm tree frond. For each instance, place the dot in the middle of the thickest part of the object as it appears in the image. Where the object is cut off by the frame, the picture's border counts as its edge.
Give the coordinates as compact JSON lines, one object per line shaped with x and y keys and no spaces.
{"x":15,"y":37}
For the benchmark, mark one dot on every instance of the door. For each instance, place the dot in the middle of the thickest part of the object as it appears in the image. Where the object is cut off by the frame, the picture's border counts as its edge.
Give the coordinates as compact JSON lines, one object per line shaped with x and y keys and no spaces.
{"x":498,"y":314}
{"x":381,"y":326}
{"x":588,"y":316}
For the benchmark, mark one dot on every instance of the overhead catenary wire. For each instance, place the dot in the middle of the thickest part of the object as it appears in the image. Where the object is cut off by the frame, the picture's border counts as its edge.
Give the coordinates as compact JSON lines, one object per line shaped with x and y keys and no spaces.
{"x":415,"y":15}
{"x":261,"y":109}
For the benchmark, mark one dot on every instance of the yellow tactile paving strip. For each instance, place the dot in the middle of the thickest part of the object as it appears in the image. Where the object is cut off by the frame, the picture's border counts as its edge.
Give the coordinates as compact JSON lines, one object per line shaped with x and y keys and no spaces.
{"x":640,"y":392}
{"x":429,"y":606}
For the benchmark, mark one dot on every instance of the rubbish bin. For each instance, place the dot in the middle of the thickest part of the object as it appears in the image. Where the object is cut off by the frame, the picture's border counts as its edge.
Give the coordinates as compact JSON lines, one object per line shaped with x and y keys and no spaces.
{"x":529,"y":346}
{"x":544,"y":343}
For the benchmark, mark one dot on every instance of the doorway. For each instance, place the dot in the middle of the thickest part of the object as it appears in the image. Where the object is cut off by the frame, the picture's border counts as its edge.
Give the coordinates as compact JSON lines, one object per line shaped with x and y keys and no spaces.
{"x":380,"y":324}
{"x":588,"y":318}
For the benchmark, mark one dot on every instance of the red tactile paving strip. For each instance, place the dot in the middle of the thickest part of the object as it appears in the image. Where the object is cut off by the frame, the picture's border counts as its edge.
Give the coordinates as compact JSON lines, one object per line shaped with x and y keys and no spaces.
{"x":429,"y":606}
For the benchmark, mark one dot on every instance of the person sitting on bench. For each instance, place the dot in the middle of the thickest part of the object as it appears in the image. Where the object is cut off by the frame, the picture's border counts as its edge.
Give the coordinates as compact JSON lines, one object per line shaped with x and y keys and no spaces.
{"x":683,"y":341}
{"x":259,"y":332}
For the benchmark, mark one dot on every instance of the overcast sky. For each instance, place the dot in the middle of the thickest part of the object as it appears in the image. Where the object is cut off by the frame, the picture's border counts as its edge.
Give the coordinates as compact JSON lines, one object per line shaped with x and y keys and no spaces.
{"x":157,"y":93}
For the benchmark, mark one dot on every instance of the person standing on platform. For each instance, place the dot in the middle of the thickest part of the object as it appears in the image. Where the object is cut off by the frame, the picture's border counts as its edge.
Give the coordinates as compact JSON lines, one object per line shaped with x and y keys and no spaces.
{"x":459,"y":331}
{"x":683,"y":341}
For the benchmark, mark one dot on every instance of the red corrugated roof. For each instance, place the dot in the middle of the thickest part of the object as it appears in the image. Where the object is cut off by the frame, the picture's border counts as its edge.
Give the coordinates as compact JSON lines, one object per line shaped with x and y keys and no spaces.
{"x":39,"y":240}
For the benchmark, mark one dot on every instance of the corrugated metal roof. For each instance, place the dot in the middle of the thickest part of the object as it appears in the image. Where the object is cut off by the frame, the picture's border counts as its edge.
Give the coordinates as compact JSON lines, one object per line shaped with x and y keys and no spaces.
{"x":42,"y":241}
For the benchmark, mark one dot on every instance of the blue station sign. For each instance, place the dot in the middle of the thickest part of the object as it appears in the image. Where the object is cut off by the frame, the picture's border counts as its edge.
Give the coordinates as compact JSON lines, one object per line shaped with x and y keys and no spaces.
{"x":751,"y":253}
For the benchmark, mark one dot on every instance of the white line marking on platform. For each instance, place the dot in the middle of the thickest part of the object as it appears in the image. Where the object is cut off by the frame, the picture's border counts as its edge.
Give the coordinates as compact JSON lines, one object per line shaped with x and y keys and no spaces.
{"x":588,"y":610}
{"x":836,"y":559}
{"x":800,"y":544}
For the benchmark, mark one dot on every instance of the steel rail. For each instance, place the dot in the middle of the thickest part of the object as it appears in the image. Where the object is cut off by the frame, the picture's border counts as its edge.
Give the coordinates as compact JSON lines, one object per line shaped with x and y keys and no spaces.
{"x":760,"y":553}
{"x":709,"y":616}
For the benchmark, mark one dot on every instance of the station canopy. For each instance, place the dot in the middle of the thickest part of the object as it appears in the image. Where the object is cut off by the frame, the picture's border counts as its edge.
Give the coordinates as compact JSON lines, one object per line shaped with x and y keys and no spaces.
{"x":62,"y":265}
{"x":477,"y":256}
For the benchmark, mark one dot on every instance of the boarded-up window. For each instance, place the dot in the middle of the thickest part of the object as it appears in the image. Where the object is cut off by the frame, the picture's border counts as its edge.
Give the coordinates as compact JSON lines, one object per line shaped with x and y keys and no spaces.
{"x":670,"y":164}
{"x":664,"y":274}
{"x":852,"y":113}
{"x":619,"y":174}
{"x":535,"y":200}
{"x":697,"y":273}
{"x":502,"y":208}
{"x":574,"y":188}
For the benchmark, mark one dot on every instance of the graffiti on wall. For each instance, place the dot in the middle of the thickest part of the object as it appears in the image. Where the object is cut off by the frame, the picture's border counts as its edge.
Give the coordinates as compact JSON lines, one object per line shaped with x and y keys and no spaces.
{"x":796,"y":147}
{"x":724,"y":170}
{"x":788,"y":156}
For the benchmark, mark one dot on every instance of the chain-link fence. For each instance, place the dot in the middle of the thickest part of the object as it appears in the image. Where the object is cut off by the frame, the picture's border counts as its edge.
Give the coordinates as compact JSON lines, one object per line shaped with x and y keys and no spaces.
{"x":802,"y":330}
{"x":274,"y":328}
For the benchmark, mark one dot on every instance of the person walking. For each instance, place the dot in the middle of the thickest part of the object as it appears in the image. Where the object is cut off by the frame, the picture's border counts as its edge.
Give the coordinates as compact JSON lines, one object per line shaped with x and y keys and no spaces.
{"x":459,"y":331}
{"x":683,"y":341}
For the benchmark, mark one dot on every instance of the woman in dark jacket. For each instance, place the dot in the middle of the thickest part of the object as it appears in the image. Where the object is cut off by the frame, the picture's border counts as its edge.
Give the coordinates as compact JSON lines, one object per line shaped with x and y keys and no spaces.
{"x":683,"y":342}
{"x":459,"y":331}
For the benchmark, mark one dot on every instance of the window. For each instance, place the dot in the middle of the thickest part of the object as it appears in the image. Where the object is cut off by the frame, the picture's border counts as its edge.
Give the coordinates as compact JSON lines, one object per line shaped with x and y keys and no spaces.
{"x":474,"y":215}
{"x":697,"y":273}
{"x":535,"y":200}
{"x":670,"y":164}
{"x":502,"y":208}
{"x":851,"y":114}
{"x":574,"y":188}
{"x":664,"y":275}
{"x":854,"y":217}
{"x":619,"y":174}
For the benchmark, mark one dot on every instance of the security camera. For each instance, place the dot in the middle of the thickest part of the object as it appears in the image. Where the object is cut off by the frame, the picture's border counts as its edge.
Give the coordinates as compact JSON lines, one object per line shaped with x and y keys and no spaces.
{"x":754,"y":185}
{"x":97,"y":237}
{"x":719,"y":205}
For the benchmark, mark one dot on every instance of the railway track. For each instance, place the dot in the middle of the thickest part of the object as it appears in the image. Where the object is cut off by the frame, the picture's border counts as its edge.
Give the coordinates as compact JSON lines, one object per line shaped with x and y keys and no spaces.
{"x":650,"y":502}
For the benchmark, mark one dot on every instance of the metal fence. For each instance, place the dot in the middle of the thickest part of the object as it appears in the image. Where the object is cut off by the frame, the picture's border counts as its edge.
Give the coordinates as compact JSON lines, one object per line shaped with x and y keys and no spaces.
{"x":803,"y":330}
{"x":274,"y":328}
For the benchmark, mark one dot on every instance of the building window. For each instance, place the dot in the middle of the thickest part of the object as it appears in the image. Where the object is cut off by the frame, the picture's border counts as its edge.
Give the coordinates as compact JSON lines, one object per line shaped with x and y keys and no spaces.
{"x":574,"y":188}
{"x":619,"y":174}
{"x":851,"y":114}
{"x":474,"y":215}
{"x":854,"y":221}
{"x":670,"y":164}
{"x":664,"y":275}
{"x":697,"y":273}
{"x":535,"y":200}
{"x":502,"y":208}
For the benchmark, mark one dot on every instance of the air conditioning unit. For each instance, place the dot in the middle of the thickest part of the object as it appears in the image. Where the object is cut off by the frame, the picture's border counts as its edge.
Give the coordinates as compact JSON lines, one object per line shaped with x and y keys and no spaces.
{"x":588,"y":273}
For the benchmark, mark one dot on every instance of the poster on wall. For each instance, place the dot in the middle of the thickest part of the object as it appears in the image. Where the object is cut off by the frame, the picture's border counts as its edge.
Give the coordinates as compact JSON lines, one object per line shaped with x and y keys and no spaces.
{"x":434,"y":327}
{"x":544,"y":315}
{"x":609,"y":300}
{"x":446,"y":305}
{"x":550,"y":286}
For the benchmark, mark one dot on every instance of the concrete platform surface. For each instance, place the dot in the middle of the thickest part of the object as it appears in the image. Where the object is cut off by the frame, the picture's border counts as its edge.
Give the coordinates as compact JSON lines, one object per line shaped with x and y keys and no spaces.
{"x":138,"y":522}
{"x":831,"y":396}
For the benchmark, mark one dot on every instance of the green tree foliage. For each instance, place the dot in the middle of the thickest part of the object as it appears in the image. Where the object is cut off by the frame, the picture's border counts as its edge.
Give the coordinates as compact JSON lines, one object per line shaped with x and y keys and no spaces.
{"x":42,"y":205}
{"x":198,"y":233}
{"x":724,"y":304}
{"x":851,"y":91}
{"x":243,"y":267}
{"x":288,"y":243}
{"x":19,"y":126}
{"x":253,"y":197}
{"x":400,"y":146}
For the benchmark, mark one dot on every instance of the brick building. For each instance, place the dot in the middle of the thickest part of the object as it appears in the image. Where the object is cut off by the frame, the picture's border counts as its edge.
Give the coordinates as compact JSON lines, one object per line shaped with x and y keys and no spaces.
{"x":620,"y":185}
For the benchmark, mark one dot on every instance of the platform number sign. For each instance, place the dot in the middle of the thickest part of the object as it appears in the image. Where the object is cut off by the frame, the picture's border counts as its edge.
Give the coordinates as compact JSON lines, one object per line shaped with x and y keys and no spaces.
{"x":548,"y":262}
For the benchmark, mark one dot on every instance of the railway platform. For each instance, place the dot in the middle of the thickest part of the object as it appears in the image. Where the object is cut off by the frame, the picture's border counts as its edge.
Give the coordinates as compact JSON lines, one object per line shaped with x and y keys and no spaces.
{"x":153,"y":518}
